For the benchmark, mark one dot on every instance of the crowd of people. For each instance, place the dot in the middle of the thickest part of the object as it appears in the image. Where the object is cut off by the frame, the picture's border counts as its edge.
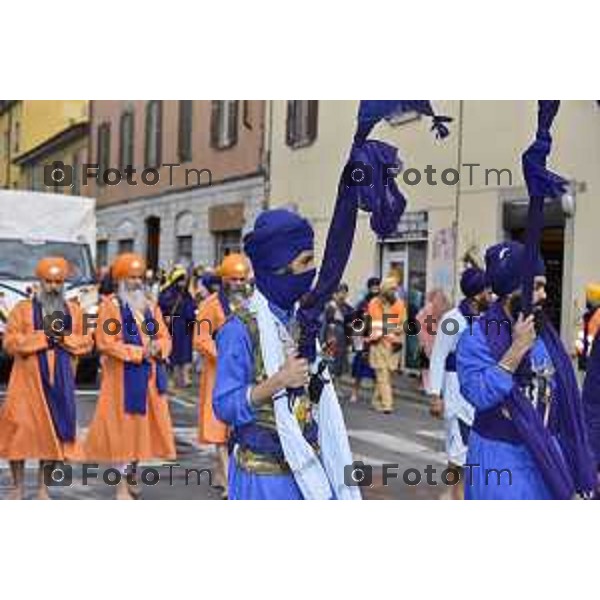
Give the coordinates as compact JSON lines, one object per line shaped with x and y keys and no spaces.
{"x":509,"y":395}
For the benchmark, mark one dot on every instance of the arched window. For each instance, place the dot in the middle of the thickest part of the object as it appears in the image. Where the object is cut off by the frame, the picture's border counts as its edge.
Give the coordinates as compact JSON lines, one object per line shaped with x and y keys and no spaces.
{"x":184,"y":237}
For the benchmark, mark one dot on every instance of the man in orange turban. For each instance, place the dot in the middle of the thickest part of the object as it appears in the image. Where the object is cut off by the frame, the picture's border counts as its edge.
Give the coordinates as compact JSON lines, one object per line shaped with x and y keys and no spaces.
{"x":38,"y":419}
{"x":132,"y":420}
{"x":234,"y":272}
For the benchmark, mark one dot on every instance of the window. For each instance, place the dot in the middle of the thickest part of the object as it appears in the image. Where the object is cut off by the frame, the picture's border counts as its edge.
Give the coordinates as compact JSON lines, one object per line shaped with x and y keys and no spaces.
{"x":184,"y":249}
{"x":101,"y":253}
{"x":126,"y":141}
{"x":184,"y":140}
{"x":224,"y":123}
{"x":125,"y":246}
{"x":153,"y":148}
{"x":302,"y":122}
{"x":227,"y":242}
{"x":103,"y":152}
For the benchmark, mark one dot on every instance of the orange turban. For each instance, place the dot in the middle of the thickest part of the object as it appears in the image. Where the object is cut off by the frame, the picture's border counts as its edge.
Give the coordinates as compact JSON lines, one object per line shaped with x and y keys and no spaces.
{"x":52,"y":267}
{"x":128,"y":265}
{"x":234,"y":265}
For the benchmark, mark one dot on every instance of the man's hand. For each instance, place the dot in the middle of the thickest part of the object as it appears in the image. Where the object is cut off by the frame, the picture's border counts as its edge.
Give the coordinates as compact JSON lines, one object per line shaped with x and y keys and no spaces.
{"x":524,"y":333}
{"x":294,"y":373}
{"x":436,"y":407}
{"x":523,"y":338}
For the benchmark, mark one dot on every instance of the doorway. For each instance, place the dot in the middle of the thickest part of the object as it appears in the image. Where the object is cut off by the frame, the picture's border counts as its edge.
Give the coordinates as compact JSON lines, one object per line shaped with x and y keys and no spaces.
{"x":409,"y":260}
{"x":152,"y":242}
{"x":552,"y":248}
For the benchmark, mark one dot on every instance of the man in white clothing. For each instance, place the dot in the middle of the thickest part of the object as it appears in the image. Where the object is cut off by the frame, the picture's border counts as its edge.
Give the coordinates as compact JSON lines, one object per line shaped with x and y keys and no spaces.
{"x":444,"y":387}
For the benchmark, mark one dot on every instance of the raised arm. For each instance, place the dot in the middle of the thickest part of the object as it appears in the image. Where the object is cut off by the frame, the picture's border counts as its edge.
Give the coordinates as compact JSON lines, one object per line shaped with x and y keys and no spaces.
{"x":483,"y":383}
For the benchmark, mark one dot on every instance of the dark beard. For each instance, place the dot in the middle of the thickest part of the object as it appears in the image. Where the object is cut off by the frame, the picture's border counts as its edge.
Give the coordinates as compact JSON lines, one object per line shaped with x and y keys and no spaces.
{"x":539,"y":316}
{"x":481,"y":305}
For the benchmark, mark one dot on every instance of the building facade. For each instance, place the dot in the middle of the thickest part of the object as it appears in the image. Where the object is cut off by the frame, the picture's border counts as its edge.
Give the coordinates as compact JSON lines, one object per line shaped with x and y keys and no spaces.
{"x":37,"y":133}
{"x":471,"y":191}
{"x":196,"y":177}
{"x":10,"y":139}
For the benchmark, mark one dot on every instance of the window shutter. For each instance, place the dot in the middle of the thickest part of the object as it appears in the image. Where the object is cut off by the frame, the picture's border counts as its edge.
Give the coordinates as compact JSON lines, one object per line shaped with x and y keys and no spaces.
{"x":147,"y":134}
{"x":290,"y":121}
{"x":214,"y":123}
{"x":103,"y":151}
{"x":158,"y":132}
{"x":313,"y":120}
{"x":185,"y":130}
{"x":233,"y":123}
{"x":246,"y":115}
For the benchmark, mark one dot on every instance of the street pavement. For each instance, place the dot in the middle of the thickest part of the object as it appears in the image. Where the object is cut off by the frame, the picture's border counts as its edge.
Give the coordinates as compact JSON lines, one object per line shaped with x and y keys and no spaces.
{"x":409,"y":438}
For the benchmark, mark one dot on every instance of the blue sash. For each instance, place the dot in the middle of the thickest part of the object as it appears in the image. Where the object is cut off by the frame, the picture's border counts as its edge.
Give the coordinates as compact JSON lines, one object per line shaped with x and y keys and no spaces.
{"x":451,"y":363}
{"x":136,"y":377}
{"x":60,"y":396}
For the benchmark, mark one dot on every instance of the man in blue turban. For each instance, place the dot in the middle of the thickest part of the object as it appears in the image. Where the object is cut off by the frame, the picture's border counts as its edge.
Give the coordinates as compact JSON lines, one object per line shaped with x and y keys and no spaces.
{"x":286,"y":443}
{"x":528,"y":439}
{"x":444,"y":388}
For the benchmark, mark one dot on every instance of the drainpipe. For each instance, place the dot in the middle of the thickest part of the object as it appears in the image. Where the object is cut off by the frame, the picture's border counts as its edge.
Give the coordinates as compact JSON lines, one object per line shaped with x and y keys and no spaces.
{"x":459,"y":153}
{"x":9,"y":148}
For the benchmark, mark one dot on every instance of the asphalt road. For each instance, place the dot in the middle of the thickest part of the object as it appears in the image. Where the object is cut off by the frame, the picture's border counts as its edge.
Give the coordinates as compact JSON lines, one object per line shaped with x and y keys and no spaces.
{"x":409,"y":438}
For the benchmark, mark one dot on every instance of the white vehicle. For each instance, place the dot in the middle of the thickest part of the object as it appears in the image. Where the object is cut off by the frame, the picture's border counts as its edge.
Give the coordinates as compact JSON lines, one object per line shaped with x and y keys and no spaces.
{"x":34,"y":225}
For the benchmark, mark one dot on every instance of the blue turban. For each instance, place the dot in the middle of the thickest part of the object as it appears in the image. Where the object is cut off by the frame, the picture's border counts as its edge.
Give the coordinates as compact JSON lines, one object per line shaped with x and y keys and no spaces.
{"x":472,"y":282}
{"x":277,"y":238}
{"x":505,"y":263}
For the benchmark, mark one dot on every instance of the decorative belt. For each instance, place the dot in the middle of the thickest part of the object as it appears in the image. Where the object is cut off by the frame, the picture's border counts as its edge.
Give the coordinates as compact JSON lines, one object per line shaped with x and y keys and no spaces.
{"x":496,"y":424}
{"x":261,"y":463}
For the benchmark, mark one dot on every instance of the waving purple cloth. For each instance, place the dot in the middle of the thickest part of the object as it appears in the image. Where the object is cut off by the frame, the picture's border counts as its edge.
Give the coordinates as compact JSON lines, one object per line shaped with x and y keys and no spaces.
{"x":367,"y":182}
{"x":541,"y":184}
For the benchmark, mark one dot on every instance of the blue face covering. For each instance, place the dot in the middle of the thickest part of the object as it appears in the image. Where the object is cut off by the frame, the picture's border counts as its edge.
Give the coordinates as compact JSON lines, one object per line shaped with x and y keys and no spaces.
{"x":279,"y":236}
{"x":285,"y":290}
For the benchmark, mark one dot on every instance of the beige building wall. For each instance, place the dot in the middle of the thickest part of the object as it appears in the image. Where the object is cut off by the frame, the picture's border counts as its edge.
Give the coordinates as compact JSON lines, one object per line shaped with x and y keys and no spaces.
{"x":490,"y":133}
{"x":495,"y":133}
{"x":309,"y":176}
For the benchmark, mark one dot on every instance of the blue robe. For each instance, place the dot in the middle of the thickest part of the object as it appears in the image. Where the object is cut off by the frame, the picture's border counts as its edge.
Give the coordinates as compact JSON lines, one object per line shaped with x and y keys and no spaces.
{"x":485,"y":385}
{"x":180,"y":306}
{"x":234,"y":379}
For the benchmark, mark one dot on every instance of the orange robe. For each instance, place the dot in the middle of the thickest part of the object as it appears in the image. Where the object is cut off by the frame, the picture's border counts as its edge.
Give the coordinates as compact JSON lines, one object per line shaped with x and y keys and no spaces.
{"x":210,"y":429}
{"x":26,"y":427}
{"x":114,"y":435}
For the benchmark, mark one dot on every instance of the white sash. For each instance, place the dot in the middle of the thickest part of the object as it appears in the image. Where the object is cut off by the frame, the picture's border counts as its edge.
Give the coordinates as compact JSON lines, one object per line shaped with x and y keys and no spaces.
{"x":318,"y":479}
